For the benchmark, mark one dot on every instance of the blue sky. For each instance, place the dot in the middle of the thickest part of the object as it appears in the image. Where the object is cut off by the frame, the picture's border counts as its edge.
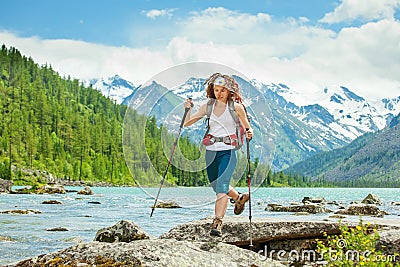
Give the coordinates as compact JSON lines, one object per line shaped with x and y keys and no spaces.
{"x":111,"y":22}
{"x":307,"y":44}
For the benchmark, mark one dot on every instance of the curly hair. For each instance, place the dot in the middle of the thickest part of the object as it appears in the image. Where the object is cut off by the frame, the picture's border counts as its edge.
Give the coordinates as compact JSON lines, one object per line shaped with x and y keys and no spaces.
{"x":210,"y":91}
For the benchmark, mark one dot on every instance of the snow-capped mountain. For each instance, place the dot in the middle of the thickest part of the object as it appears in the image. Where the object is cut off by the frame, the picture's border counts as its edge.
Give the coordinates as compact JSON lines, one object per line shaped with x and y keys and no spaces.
{"x":389,"y":107}
{"x":336,"y":110}
{"x":299,"y":126}
{"x":116,"y":88}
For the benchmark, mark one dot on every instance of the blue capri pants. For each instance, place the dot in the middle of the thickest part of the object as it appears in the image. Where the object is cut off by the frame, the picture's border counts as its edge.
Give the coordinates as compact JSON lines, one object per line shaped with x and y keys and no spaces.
{"x":220,"y":168}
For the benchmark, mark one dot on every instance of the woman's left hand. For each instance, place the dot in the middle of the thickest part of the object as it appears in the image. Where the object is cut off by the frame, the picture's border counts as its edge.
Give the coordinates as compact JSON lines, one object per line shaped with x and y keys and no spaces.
{"x":249,"y":133}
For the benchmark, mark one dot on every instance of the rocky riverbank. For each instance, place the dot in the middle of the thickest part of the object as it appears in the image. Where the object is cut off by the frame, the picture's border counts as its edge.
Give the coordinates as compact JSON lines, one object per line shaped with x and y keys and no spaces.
{"x":131,"y":246}
{"x":189,"y":244}
{"x":51,"y":186}
{"x":298,"y":231}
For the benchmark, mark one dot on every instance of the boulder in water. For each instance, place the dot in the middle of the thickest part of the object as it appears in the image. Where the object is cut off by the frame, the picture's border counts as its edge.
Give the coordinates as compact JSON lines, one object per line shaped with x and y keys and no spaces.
{"x":57,"y":229}
{"x":309,"y":208}
{"x":168,"y":205}
{"x":362,"y":209}
{"x":315,"y":200}
{"x":372,"y":199}
{"x":123,"y":231}
{"x":52,"y":202}
{"x":51,"y":189}
{"x":21,"y":212}
{"x":5,"y":186}
{"x":86,"y":191}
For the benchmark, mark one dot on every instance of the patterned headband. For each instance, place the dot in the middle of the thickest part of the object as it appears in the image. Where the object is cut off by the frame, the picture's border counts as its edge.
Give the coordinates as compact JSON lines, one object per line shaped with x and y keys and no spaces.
{"x":223,"y":80}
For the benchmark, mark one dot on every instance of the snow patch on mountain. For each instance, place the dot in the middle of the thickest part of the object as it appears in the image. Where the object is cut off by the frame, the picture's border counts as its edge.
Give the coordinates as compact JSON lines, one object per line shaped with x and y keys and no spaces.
{"x":337,"y":110}
{"x":193,"y":88}
{"x":116,"y":88}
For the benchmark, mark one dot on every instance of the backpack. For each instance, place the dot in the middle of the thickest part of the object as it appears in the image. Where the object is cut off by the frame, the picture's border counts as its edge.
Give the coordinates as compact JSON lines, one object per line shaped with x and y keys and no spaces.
{"x":236,"y":140}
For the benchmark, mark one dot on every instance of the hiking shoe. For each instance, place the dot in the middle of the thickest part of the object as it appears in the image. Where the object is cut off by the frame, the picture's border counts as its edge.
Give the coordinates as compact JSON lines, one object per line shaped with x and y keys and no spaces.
{"x":239,"y":203}
{"x":216,"y":226}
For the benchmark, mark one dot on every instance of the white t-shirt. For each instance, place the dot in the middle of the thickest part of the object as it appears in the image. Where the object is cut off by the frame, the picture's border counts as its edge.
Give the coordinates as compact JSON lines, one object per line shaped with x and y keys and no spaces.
{"x":221,"y":126}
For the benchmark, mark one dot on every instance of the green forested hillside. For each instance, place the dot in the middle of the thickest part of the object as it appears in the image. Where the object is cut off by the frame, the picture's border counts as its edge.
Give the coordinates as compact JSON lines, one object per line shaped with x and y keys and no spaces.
{"x":55,"y":124}
{"x":326,"y":161}
{"x":372,"y":160}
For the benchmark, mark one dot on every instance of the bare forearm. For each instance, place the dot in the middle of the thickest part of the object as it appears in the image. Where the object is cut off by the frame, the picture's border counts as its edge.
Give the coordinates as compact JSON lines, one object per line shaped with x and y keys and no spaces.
{"x":191,"y":119}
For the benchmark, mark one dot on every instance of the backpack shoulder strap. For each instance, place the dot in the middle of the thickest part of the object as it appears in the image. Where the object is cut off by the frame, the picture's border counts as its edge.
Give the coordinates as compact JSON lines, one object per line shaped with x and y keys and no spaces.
{"x":231,"y":107}
{"x":209,"y":108}
{"x":232,"y":110}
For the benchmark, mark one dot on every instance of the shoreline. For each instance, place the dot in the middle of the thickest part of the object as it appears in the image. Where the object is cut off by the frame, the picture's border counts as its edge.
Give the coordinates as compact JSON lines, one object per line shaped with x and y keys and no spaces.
{"x":133,"y":204}
{"x":192,"y":238}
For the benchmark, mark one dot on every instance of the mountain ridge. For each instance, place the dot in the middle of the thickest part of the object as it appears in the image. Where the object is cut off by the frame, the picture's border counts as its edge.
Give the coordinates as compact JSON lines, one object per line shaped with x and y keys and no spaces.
{"x":369,"y":161}
{"x":115,"y":87}
{"x":330,"y":120}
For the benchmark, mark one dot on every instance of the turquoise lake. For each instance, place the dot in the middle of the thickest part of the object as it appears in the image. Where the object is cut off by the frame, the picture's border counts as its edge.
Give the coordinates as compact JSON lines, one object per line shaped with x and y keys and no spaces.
{"x":25,"y":236}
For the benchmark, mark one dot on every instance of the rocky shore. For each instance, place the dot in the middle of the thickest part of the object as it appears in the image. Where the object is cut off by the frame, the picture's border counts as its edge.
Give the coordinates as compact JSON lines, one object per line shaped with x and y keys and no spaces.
{"x":126,"y":244}
{"x":189,"y":244}
{"x":53,"y":186}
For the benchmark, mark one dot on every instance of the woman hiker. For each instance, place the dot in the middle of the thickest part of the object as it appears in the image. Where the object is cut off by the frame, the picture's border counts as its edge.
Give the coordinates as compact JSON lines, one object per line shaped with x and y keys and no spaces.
{"x":220,"y":154}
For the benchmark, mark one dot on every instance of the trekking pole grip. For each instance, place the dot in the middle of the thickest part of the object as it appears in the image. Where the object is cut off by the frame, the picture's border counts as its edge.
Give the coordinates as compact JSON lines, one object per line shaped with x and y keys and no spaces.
{"x":184,"y":115}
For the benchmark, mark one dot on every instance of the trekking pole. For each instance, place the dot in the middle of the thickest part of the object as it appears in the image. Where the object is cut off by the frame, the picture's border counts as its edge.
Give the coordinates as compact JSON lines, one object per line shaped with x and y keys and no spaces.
{"x":170,"y":157}
{"x":248,"y":184}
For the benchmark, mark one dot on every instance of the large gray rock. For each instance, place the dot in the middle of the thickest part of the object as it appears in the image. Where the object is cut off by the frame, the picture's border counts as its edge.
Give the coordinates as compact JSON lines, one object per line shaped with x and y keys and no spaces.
{"x":5,"y":186}
{"x":153,"y":252}
{"x":52,"y":202}
{"x":167,"y":205}
{"x":24,"y":190}
{"x":123,"y":231}
{"x":362,"y":209}
{"x":315,"y":200}
{"x":389,"y":242}
{"x":51,"y":189}
{"x":57,"y":229}
{"x":371,"y":199}
{"x":235,"y":230}
{"x":21,"y":212}
{"x":86,"y":191}
{"x":309,"y":208}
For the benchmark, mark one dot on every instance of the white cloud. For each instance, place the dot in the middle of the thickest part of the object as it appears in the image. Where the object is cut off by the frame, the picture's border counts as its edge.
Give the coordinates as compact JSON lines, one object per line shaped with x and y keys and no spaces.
{"x":154,"y":13}
{"x":366,"y":59}
{"x":285,"y":39}
{"x":224,"y":26}
{"x":182,"y":50}
{"x":84,"y":60}
{"x":306,"y":58}
{"x":366,"y":10}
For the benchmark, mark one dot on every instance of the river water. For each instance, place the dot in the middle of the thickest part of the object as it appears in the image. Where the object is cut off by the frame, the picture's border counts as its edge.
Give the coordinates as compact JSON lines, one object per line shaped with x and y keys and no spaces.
{"x":25,"y":236}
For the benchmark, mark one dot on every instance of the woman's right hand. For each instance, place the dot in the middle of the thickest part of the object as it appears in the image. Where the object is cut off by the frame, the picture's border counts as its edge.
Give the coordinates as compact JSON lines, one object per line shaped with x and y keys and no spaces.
{"x":188,"y":103}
